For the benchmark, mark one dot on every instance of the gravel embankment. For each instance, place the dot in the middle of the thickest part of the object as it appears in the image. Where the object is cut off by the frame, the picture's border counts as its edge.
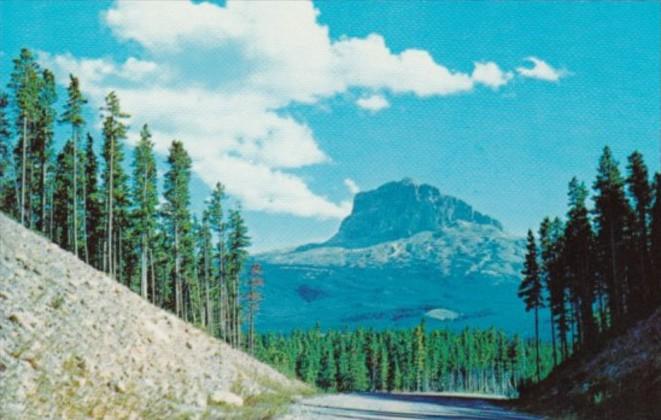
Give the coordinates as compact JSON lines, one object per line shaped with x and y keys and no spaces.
{"x":76,"y":344}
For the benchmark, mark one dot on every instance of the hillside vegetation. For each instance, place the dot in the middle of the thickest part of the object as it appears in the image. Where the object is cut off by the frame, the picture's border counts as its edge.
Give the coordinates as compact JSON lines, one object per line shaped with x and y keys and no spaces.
{"x":620,"y":381}
{"x":76,"y":344}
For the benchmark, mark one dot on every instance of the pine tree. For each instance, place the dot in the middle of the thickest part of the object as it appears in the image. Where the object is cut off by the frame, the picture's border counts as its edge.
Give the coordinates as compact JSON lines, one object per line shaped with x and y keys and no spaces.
{"x":73,"y":115}
{"x":530,"y":289}
{"x":63,"y":198}
{"x":579,"y":256}
{"x":114,"y":179}
{"x":384,"y":368}
{"x":546,"y":244}
{"x":640,"y":192}
{"x":205,"y":247}
{"x":25,"y":85}
{"x":215,"y":210}
{"x":92,"y":204}
{"x":655,"y":234}
{"x":254,"y":297}
{"x":145,"y":201}
{"x":43,"y":146}
{"x":237,"y":243}
{"x":177,"y":213}
{"x":327,"y":379}
{"x":6,"y":183}
{"x":612,"y":213}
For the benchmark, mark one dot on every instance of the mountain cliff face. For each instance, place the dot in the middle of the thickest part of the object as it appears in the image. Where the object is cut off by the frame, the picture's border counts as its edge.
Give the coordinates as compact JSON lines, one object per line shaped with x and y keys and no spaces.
{"x":398,"y":210}
{"x":405,"y":252}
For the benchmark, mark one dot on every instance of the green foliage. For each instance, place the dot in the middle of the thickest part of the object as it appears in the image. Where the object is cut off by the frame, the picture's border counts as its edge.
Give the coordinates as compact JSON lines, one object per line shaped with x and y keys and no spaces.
{"x":485,"y":361}
{"x":115,"y":190}
{"x":600,"y":267}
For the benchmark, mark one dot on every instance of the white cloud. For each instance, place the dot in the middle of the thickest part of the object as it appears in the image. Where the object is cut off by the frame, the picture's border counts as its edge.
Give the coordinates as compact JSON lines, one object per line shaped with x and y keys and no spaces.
{"x":373,"y":103}
{"x":490,"y":74}
{"x":541,"y":70}
{"x":352,"y":186}
{"x":221,"y":78}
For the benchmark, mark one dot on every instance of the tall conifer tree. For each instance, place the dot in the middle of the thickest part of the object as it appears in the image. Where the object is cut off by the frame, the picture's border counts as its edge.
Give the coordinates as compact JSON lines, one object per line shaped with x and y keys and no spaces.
{"x":114,"y":179}
{"x":73,"y":115}
{"x":177,"y":215}
{"x":612,"y":214}
{"x":530,"y":289}
{"x":145,"y":201}
{"x":25,"y":86}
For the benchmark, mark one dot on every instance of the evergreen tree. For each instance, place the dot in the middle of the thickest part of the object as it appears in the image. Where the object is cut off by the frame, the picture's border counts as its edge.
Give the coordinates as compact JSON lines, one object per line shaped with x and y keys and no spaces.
{"x":612,"y":213}
{"x":205,"y":247}
{"x":640,"y":192}
{"x":6,"y":183}
{"x":25,"y":86}
{"x":115,"y":189}
{"x":579,"y":258}
{"x":177,"y":214}
{"x":73,"y":115}
{"x":419,"y":354}
{"x":145,"y":201}
{"x":384,"y":369}
{"x":43,"y":147}
{"x":546,"y":244}
{"x":254,"y":297}
{"x":328,"y":373}
{"x":92,"y":203}
{"x":237,"y":243}
{"x":63,"y":198}
{"x":655,"y":233}
{"x":530,"y":289}
{"x":215,"y":210}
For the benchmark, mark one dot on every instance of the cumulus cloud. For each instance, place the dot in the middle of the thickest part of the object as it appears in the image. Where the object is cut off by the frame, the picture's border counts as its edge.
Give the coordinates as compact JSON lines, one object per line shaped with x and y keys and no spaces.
{"x":352,"y":186}
{"x":541,"y":70}
{"x":373,"y":103}
{"x":221,"y":78}
{"x":490,"y":74}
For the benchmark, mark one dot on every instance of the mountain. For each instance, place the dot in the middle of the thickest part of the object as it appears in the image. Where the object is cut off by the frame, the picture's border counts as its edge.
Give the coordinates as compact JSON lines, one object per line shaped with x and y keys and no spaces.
{"x":76,"y":344}
{"x":398,"y":210}
{"x":405,"y":252}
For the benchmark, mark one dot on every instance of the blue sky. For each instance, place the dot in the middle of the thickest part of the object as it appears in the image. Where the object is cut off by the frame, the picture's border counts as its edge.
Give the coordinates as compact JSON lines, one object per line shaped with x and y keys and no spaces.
{"x":294,"y":105}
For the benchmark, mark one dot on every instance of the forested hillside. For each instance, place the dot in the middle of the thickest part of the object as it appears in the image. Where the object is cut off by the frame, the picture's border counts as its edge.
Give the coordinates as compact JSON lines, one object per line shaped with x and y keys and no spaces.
{"x":92,"y":199}
{"x":598,"y":273}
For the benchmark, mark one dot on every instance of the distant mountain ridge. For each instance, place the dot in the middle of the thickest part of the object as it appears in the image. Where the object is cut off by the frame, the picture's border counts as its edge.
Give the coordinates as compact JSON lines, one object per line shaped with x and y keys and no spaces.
{"x":398,"y":210}
{"x":406,"y":251}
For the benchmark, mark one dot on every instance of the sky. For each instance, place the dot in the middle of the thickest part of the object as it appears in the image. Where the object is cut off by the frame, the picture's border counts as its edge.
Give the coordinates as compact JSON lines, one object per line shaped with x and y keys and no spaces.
{"x":297,"y":106}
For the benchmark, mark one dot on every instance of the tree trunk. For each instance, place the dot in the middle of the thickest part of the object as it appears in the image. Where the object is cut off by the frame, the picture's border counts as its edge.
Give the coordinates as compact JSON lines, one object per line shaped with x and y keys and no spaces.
{"x":537,"y":342}
{"x":153,"y":278}
{"x":555,"y":357}
{"x":208,"y":309}
{"x":42,"y":187}
{"x":75,"y":192}
{"x":110,"y":205}
{"x":143,"y":267}
{"x":23,"y":169}
{"x":177,"y":291}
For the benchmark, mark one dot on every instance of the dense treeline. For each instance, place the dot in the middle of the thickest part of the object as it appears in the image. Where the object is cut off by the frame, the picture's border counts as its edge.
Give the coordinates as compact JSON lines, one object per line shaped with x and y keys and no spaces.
{"x":107,"y":211}
{"x":406,"y":360}
{"x":598,"y":270}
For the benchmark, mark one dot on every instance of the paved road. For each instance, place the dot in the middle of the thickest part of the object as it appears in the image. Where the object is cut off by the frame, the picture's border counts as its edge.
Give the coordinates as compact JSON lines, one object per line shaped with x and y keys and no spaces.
{"x":398,"y":406}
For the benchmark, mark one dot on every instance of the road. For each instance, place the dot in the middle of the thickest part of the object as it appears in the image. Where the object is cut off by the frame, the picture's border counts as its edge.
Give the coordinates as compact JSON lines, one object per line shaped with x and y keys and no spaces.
{"x":399,"y":406}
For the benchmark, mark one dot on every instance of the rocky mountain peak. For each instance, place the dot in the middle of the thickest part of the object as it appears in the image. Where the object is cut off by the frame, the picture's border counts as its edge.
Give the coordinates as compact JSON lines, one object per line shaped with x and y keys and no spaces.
{"x":400,"y":209}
